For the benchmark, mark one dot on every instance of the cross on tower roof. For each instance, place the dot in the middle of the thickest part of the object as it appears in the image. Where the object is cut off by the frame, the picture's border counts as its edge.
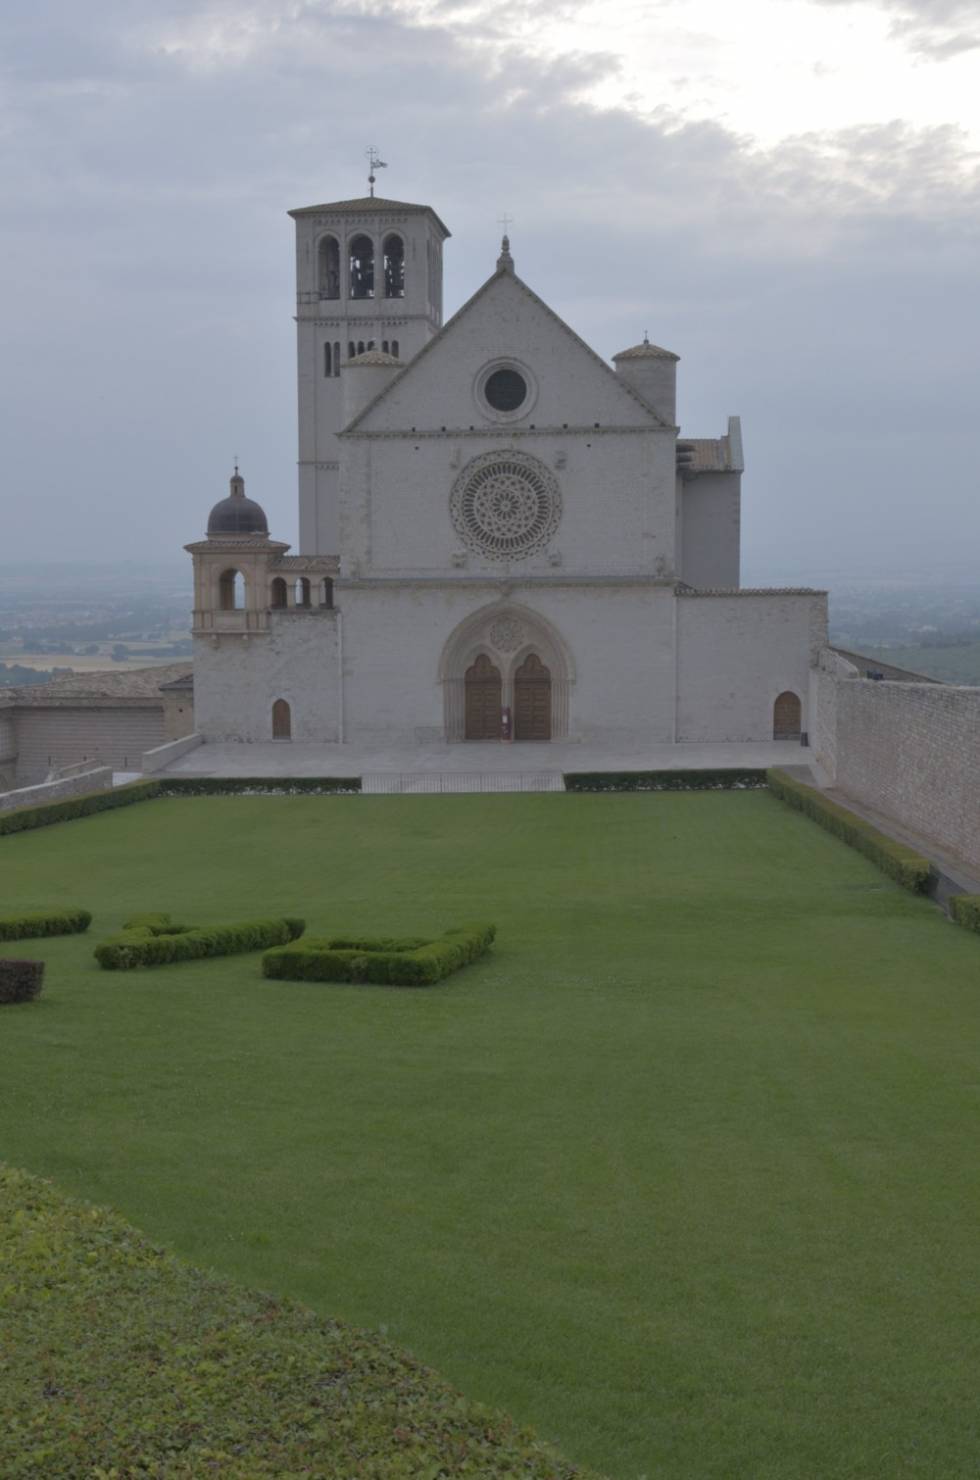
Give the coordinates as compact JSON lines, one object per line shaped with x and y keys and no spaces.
{"x":375,"y":162}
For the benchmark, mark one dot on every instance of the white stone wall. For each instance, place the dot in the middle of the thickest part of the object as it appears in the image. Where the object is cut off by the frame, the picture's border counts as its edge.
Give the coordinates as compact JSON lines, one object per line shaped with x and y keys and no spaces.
{"x":710,"y":530}
{"x":617,"y":496}
{"x":237,"y":680}
{"x":111,"y":735}
{"x":620,"y":639}
{"x":98,"y":779}
{"x":737,"y":653}
{"x":912,"y":751}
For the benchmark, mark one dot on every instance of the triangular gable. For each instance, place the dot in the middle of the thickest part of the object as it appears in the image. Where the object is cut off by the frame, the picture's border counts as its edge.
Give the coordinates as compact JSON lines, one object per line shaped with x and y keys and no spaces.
{"x":406,"y":400}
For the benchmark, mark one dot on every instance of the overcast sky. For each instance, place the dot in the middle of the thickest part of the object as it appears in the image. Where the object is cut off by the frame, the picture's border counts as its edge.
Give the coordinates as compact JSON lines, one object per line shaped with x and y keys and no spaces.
{"x":784,"y":192}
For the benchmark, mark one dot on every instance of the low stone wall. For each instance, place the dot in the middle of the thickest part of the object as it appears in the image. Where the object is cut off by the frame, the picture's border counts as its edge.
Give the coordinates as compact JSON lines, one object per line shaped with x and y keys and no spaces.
{"x":911,"y":751}
{"x":161,"y":756}
{"x":98,"y":779}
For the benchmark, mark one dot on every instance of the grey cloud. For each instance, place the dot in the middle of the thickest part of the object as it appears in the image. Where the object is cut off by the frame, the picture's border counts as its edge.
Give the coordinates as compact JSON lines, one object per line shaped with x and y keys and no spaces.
{"x":935,"y":29}
{"x":827,"y":290}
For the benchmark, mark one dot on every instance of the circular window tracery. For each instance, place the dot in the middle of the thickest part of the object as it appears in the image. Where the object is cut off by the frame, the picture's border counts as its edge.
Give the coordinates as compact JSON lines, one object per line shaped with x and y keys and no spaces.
{"x":505,"y":505}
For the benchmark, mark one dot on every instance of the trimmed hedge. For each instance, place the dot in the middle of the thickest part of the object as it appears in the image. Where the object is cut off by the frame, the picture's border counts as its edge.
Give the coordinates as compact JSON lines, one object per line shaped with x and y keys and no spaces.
{"x":727,"y":780}
{"x":216,"y":786}
{"x":20,"y":981}
{"x":125,"y":1361}
{"x":60,"y":922}
{"x":965,"y":910}
{"x":155,"y":940}
{"x":410,"y":961}
{"x":903,"y":864}
{"x":26,"y":818}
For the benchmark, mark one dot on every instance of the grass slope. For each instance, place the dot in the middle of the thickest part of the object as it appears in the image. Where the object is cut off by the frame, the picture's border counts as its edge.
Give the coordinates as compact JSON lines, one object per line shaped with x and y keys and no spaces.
{"x":684,"y":1173}
{"x":127,"y":1361}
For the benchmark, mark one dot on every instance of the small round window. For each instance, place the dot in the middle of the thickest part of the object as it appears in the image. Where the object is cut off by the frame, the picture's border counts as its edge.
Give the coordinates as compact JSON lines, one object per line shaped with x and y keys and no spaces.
{"x":505,"y":390}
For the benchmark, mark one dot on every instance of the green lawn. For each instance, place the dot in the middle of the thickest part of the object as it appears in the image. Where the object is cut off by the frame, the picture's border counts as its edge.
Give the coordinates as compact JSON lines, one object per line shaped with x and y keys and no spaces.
{"x":685,"y":1173}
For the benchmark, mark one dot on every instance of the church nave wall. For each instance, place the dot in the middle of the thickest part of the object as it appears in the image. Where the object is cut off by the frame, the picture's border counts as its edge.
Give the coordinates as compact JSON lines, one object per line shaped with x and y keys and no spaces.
{"x":237,"y":680}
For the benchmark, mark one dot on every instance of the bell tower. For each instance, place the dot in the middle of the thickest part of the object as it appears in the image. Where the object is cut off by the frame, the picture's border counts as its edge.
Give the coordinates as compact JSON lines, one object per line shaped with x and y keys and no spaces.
{"x":368,"y":279}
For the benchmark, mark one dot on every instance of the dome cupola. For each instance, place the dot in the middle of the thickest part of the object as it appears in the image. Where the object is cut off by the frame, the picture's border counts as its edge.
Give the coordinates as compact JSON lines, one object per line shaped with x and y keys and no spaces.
{"x":236,"y":514}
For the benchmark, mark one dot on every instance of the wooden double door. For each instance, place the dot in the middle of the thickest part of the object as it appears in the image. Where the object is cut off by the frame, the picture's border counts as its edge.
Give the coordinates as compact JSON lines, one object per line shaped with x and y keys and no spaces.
{"x":532,"y":700}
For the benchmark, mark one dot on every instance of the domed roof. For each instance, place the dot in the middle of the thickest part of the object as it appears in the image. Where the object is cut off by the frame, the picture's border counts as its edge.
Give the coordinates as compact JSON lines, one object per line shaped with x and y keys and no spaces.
{"x":646,"y":351}
{"x":237,"y":514}
{"x":373,"y":357}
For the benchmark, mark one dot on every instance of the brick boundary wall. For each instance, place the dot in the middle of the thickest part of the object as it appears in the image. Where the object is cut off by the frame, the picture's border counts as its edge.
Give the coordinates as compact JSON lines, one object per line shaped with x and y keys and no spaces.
{"x":911,"y":751}
{"x":96,"y":779}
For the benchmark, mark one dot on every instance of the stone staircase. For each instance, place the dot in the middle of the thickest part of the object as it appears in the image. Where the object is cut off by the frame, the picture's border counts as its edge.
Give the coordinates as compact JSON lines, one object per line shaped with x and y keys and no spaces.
{"x":416,"y":783}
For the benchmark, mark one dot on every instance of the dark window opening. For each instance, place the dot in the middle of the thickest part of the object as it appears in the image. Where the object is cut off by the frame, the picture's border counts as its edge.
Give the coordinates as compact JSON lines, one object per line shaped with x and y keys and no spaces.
{"x":394,"y":262}
{"x":362,"y":267}
{"x":328,"y":268}
{"x":336,"y":358}
{"x":505,"y":390}
{"x":327,"y":359}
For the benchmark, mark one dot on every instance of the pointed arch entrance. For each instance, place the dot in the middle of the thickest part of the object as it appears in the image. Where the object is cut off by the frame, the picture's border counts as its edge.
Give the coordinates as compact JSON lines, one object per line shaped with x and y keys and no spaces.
{"x":532,"y":700}
{"x":507,"y":637}
{"x":484,"y":693}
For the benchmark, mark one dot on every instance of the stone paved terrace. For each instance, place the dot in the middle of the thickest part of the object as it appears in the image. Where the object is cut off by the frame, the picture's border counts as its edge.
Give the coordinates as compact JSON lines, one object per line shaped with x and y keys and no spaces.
{"x":297,"y":758}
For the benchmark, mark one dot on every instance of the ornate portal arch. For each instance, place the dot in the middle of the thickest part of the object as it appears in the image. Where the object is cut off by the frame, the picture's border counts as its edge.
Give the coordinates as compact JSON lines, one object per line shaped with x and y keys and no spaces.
{"x":506,"y":633}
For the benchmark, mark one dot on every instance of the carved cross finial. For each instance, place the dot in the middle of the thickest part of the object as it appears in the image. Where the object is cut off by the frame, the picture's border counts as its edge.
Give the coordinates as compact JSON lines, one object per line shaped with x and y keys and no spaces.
{"x":506,"y":222}
{"x":375,"y":162}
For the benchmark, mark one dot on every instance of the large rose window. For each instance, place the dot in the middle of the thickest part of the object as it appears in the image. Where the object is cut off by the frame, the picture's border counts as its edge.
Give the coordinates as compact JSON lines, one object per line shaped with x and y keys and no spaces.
{"x":505,"y":506}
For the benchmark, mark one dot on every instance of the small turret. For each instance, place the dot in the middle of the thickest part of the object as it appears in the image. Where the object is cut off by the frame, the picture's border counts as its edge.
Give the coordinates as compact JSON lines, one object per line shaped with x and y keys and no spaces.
{"x":652,"y":373}
{"x":364,"y":377}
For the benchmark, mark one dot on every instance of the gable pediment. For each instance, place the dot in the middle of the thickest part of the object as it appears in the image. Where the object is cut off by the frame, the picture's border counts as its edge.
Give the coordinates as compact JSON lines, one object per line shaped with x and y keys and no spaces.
{"x":504,"y":325}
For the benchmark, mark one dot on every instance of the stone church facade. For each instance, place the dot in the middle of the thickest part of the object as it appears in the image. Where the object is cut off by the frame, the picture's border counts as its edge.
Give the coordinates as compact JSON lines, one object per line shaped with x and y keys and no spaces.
{"x":501,"y":534}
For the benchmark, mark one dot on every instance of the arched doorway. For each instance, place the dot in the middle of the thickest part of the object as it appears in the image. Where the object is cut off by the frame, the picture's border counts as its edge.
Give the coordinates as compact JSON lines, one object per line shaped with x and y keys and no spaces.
{"x":787,"y":717}
{"x":282,"y":721}
{"x":483,"y":691}
{"x":532,"y":700}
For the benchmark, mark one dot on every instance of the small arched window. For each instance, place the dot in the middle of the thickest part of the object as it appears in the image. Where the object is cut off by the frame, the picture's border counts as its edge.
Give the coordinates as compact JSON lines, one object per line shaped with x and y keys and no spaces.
{"x":282,"y":721}
{"x":278,"y":597}
{"x":384,"y":346}
{"x":336,"y":358}
{"x":327,"y":359}
{"x":328,"y":267}
{"x":302,"y":591}
{"x":326,"y":592}
{"x":787,"y":717}
{"x":362,"y":267}
{"x":351,"y":349}
{"x":360,"y":346}
{"x":394,"y":348}
{"x":394,"y":259}
{"x":231,"y":591}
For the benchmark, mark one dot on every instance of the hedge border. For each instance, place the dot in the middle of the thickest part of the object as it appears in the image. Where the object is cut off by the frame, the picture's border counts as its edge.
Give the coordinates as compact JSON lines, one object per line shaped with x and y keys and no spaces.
{"x":727,"y":779}
{"x":903,"y":864}
{"x":44,"y":922}
{"x":412,"y":961}
{"x":128,"y":1361}
{"x":157,"y":940}
{"x":25,"y":819}
{"x":965,"y":910}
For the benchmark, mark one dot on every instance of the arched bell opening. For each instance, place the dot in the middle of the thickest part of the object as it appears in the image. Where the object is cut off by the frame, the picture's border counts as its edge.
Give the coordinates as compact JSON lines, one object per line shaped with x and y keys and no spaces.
{"x":328,"y":267}
{"x":362,"y":268}
{"x":787,"y":716}
{"x":231,"y":591}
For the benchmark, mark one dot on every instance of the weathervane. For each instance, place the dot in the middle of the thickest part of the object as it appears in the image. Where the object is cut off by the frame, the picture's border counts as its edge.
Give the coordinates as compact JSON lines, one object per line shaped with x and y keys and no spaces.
{"x":375,"y":162}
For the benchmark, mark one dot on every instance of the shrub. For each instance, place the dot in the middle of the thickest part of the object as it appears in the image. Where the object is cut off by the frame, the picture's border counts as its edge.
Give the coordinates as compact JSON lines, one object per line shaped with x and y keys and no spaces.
{"x":26,"y":818}
{"x":125,"y":1361}
{"x":728,"y":780}
{"x":59,"y":922}
{"x":214,"y":786}
{"x":20,"y":981}
{"x":965,"y":910}
{"x":411,"y":961}
{"x":155,"y":940}
{"x":904,"y":865}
